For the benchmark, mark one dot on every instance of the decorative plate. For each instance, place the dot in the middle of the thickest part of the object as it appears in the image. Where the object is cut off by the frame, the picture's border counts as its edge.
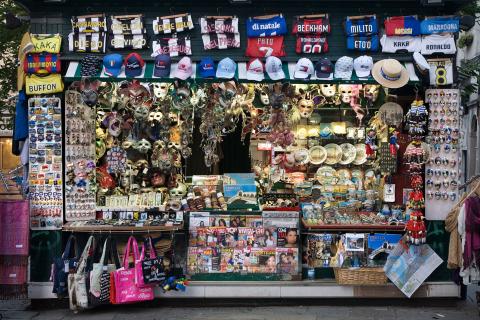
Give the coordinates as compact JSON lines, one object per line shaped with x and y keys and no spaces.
{"x":326,"y":175}
{"x":301,"y":156}
{"x":317,"y":155}
{"x":334,"y":153}
{"x":349,"y":153}
{"x":361,"y":156}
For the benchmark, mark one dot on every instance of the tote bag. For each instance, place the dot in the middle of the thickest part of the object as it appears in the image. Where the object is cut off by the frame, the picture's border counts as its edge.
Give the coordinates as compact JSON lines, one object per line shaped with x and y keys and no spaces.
{"x":103,"y":265}
{"x":77,"y":282}
{"x":149,"y":271}
{"x":63,"y":265}
{"x":124,"y":289}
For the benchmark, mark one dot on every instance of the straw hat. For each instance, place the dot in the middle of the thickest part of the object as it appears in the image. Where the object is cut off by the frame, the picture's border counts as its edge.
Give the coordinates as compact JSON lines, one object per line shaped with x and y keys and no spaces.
{"x":390,"y":73}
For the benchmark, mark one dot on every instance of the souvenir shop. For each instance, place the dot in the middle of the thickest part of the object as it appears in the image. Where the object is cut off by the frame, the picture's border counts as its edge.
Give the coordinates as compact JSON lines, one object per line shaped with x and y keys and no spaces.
{"x":217,"y":152}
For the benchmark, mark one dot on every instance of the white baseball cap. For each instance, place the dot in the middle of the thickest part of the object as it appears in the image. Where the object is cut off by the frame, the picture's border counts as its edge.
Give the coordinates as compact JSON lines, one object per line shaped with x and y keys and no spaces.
{"x":273,"y":66}
{"x":363,"y":66}
{"x":344,"y":68}
{"x":226,"y":68}
{"x":184,"y":69}
{"x":420,"y":61}
{"x":303,"y":69}
{"x":255,"y":70}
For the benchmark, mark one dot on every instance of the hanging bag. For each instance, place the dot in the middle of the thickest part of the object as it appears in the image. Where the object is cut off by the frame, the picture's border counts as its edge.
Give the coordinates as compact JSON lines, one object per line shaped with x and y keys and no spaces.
{"x":149,"y":271}
{"x":123,"y":288}
{"x":63,"y":266}
{"x":103,"y":266}
{"x":77,"y":282}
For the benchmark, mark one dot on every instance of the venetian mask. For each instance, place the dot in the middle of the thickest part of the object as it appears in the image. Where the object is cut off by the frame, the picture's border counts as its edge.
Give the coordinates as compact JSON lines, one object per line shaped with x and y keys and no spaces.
{"x":346,"y":92}
{"x":160,"y":90}
{"x":179,"y":192}
{"x":371,"y":92}
{"x":305,"y":107}
{"x":143,"y":146}
{"x":114,"y":125}
{"x":328,"y":90}
{"x":157,"y":179}
{"x":141,"y":113}
{"x":127,"y":144}
{"x":155,"y":117}
{"x":137,"y":93}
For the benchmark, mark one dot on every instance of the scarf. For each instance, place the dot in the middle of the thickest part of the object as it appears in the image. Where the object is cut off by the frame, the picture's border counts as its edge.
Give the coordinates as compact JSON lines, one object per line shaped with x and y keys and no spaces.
{"x":471,"y":250}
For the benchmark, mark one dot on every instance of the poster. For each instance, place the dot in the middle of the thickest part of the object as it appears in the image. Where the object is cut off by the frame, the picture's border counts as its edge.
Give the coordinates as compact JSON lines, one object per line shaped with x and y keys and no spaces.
{"x":408,"y":266}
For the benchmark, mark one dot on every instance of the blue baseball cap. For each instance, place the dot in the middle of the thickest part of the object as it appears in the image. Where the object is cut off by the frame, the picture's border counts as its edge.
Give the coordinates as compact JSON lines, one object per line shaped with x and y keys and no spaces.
{"x":113,"y":64}
{"x":134,"y":65}
{"x":226,"y":68}
{"x":162,"y":66}
{"x":207,"y":68}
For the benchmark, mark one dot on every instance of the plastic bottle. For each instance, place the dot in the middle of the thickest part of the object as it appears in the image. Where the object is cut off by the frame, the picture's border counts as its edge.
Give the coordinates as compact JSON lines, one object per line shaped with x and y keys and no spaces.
{"x":221,"y":201}
{"x":190,"y":202}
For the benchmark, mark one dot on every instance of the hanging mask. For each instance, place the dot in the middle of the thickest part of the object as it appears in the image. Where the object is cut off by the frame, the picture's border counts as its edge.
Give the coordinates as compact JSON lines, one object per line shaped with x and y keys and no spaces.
{"x":155,"y":117}
{"x":100,"y":148}
{"x":179,"y":192}
{"x":89,"y":97}
{"x":114,"y":125}
{"x":328,"y":90}
{"x":305,"y":107}
{"x":346,"y":93}
{"x":371,"y":92}
{"x":143,"y":146}
{"x":160,"y":90}
{"x":141,"y":113}
{"x":137,"y":93}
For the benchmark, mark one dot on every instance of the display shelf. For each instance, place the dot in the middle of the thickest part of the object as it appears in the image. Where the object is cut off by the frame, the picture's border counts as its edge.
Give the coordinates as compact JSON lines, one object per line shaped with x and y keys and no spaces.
{"x":353,"y":227}
{"x":72,"y":227}
{"x":238,"y":276}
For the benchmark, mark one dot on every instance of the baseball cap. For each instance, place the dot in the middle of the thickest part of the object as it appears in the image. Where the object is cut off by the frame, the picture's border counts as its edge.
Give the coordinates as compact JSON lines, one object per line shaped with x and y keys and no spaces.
{"x":90,"y":66}
{"x":303,"y":69}
{"x":184,"y":69}
{"x":420,"y":62}
{"x":134,"y":65}
{"x":273,"y":66}
{"x":344,"y":67}
{"x":255,"y":70}
{"x":113,"y":64}
{"x":226,"y":68}
{"x":363,"y":65}
{"x":207,"y":68}
{"x":162,"y":66}
{"x":324,"y":68}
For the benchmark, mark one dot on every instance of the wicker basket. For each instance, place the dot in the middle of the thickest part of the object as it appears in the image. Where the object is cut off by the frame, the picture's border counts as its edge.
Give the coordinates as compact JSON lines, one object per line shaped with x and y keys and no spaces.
{"x":360,"y":276}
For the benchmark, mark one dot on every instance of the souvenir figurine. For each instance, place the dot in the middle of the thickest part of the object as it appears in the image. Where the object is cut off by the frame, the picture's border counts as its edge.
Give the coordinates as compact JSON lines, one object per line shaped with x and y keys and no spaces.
{"x":370,"y":144}
{"x":393,"y":141}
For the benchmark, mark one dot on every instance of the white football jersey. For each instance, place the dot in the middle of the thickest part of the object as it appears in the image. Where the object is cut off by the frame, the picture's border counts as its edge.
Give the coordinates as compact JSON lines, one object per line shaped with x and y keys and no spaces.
{"x":396,"y":43}
{"x":438,"y":43}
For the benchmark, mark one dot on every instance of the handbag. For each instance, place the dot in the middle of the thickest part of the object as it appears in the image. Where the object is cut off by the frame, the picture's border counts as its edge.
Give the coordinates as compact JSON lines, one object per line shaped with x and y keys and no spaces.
{"x":63,"y":265}
{"x":149,"y":272}
{"x":100,"y":274}
{"x":77,"y":282}
{"x":123,"y":288}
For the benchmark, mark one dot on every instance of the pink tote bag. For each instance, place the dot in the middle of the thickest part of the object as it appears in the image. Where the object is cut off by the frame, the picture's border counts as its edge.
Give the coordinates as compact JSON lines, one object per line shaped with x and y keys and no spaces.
{"x":14,"y":227}
{"x":125,"y":289}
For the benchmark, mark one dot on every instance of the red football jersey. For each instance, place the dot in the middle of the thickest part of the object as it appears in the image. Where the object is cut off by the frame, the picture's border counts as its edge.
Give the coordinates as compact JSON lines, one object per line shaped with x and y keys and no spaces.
{"x":261,"y":47}
{"x":311,"y":44}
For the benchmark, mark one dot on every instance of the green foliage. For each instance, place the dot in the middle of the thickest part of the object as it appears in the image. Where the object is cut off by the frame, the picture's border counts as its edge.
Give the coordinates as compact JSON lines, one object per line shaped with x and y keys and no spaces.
{"x":9,"y":43}
{"x":467,"y":70}
{"x":465,"y":40}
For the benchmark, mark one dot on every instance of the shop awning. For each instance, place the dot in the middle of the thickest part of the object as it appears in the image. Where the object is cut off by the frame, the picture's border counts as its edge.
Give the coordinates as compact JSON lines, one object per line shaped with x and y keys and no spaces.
{"x":73,"y":74}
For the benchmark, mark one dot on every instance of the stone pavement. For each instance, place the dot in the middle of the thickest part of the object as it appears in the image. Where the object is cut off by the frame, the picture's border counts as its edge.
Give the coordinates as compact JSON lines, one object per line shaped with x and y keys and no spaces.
{"x":450,"y":311}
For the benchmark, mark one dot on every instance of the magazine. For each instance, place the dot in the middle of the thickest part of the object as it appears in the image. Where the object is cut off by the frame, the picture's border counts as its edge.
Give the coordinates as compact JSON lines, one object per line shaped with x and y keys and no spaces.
{"x":266,"y":260}
{"x":241,"y":259}
{"x":270,"y":237}
{"x":199,"y":219}
{"x":319,"y":250}
{"x":193,"y":260}
{"x":355,"y":242}
{"x":231,"y":237}
{"x":288,"y":219}
{"x":287,"y":260}
{"x":201,"y":237}
{"x":254,"y":221}
{"x":216,"y":257}
{"x":287,"y":237}
{"x":220,"y":221}
{"x":204,"y":262}
{"x":227,"y":260}
{"x":238,"y":221}
{"x":246,"y":237}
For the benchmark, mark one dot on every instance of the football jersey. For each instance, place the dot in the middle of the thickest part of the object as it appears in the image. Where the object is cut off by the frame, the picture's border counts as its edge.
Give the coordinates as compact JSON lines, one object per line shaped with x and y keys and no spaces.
{"x":439,"y":25}
{"x":441,"y":72}
{"x":42,"y":63}
{"x":363,"y":43}
{"x":400,"y":43}
{"x":87,"y":42}
{"x":361,"y":26}
{"x":258,"y":27}
{"x":89,"y":23}
{"x":49,"y":43}
{"x":438,"y":43}
{"x":311,"y":44}
{"x":43,"y":84}
{"x":221,"y":41}
{"x":311,"y":26}
{"x":174,"y":47}
{"x":261,"y":47}
{"x":131,"y":24}
{"x":181,"y":23}
{"x":219,"y":25}
{"x":402,"y":26}
{"x":127,"y":41}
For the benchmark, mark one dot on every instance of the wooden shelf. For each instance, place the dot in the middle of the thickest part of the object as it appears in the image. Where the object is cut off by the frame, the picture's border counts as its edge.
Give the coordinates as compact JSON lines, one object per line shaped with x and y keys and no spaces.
{"x":353,"y":227}
{"x":72,"y":227}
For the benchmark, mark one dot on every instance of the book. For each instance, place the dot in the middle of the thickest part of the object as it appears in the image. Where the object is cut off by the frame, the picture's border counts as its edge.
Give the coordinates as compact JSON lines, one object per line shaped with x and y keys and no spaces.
{"x":355,"y":242}
{"x":381,"y":244}
{"x":286,"y":260}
